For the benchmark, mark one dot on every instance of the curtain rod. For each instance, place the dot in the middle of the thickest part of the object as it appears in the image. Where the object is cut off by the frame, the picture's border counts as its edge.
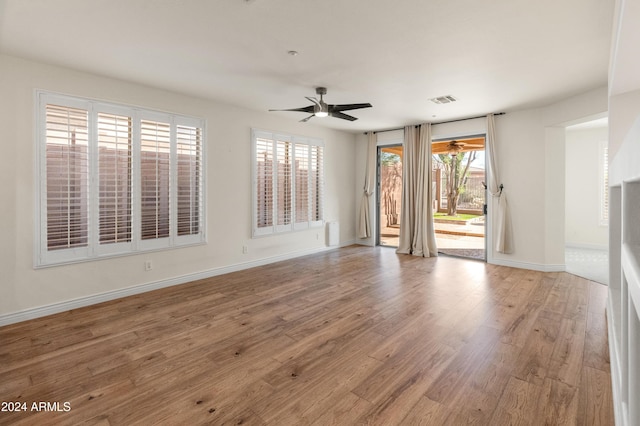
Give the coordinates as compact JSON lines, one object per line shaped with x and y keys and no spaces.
{"x":441,"y":122}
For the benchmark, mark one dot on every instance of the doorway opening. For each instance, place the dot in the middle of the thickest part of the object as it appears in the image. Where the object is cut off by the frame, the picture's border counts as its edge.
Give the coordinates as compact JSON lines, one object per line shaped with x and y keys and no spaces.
{"x":459,"y":205}
{"x":459,"y":195}
{"x":586,"y":206}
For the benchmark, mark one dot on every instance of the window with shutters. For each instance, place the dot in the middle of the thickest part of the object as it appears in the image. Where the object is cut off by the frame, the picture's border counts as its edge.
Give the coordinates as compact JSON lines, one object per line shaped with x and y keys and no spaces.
{"x":287,"y":182}
{"x":604,"y":183}
{"x":115,"y":180}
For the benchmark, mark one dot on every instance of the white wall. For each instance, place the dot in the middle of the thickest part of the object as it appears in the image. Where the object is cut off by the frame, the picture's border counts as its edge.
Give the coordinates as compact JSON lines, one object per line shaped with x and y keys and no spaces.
{"x":624,"y":137}
{"x":582,"y":188}
{"x":23,"y":288}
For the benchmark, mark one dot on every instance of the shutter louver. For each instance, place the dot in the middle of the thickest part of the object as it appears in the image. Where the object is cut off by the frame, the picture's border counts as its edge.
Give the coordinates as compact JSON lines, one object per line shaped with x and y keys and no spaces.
{"x":114,"y":176}
{"x":66,"y":133}
{"x":189,"y":152}
{"x":155,"y":149}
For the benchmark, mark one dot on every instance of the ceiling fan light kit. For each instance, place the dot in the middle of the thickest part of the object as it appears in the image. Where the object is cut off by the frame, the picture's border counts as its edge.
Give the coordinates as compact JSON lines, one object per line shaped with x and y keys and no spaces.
{"x":321,"y":109}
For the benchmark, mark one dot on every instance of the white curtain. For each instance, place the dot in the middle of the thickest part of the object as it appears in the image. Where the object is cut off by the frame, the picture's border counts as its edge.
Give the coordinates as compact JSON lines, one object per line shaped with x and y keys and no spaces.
{"x":417,"y":233}
{"x":503,"y":233}
{"x":364,"y":228}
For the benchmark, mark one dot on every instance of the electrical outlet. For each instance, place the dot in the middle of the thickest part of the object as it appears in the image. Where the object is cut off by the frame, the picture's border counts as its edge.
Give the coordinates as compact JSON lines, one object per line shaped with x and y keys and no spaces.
{"x":245,"y":249}
{"x":148,"y":265}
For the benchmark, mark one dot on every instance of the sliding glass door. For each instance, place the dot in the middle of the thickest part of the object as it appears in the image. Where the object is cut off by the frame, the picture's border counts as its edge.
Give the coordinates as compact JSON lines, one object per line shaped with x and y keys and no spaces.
{"x":460,"y":196}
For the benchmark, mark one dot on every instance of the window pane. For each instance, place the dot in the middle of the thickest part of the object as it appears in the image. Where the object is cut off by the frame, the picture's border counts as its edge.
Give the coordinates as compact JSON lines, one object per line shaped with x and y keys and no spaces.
{"x":189,"y":179}
{"x":67,"y":177}
{"x":264,"y":182}
{"x":302,"y":183}
{"x":284,"y":182}
{"x":154,"y":175}
{"x":114,"y":164}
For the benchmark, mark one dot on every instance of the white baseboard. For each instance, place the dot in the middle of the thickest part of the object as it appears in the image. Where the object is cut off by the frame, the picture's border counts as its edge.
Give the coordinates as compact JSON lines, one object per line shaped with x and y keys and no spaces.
{"x":81,"y":302}
{"x":348,"y":243}
{"x":587,"y":246}
{"x":531,"y":266}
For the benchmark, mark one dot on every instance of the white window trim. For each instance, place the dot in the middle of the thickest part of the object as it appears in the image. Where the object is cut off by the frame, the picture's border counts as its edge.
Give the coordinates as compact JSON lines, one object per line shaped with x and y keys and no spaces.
{"x":293,"y":225}
{"x":94,"y":251}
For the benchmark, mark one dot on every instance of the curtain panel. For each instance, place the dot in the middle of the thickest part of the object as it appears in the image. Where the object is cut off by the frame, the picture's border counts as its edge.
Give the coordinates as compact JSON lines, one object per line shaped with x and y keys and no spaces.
{"x":364,"y":226}
{"x":417,"y":232}
{"x":503,"y":232}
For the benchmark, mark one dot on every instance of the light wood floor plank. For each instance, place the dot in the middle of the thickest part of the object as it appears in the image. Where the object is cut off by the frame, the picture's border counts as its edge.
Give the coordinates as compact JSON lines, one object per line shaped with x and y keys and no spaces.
{"x":351,"y":336}
{"x":518,"y":406}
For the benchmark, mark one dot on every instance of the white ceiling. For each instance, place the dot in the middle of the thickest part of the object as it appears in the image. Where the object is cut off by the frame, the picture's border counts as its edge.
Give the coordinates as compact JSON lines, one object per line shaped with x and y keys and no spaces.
{"x":495,"y":55}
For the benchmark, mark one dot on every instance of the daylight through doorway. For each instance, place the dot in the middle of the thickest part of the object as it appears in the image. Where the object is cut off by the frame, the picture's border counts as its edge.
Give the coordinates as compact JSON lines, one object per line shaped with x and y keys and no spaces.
{"x":458,"y":180}
{"x":460,"y":196}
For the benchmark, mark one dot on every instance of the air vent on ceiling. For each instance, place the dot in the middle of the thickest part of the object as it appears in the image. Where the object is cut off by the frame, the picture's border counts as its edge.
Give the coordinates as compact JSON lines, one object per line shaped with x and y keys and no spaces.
{"x":443,"y":99}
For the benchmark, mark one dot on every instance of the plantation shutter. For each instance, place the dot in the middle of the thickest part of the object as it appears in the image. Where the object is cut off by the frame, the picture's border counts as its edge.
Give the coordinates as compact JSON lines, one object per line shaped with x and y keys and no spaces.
{"x":155,"y":150}
{"x":189,"y":167}
{"x":66,"y":163}
{"x":114,"y":178}
{"x":302,"y":185}
{"x":264,"y":183}
{"x":317,"y":184}
{"x":287,"y":182}
{"x":284,"y":186}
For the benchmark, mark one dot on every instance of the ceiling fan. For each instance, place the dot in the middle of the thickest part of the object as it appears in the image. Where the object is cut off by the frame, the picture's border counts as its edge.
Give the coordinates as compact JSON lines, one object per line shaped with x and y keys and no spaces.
{"x":321,"y":109}
{"x":457,"y":146}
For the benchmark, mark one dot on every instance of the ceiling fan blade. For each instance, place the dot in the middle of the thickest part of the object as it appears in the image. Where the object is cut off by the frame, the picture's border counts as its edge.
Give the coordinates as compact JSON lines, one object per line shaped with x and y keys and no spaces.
{"x":347,"y":107}
{"x":308,"y":109}
{"x":338,"y":114}
{"x":304,"y":120}
{"x":314,"y":100}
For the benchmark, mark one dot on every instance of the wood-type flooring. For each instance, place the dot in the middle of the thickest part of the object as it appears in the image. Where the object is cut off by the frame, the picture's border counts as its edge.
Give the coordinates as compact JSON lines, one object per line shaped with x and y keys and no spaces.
{"x":352,"y":336}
